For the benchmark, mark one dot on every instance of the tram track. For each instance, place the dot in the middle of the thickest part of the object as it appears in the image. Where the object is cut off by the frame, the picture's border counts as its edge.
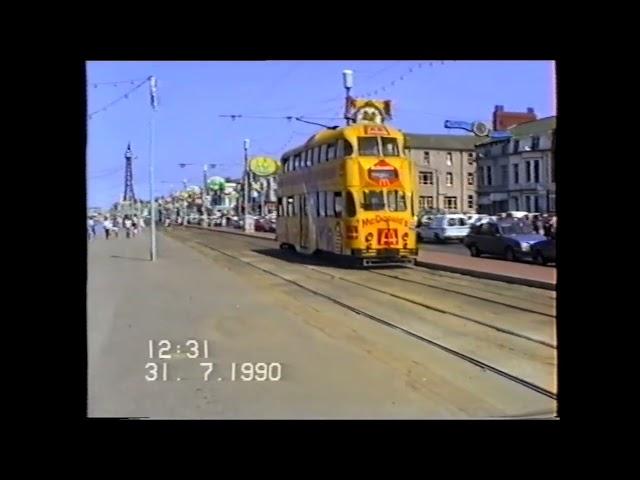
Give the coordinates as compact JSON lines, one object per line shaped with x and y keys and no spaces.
{"x":441,"y":310}
{"x":382,"y":321}
{"x":466,"y":294}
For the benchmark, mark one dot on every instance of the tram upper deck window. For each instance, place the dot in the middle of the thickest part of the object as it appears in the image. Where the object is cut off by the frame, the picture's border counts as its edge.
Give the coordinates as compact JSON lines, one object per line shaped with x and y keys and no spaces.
{"x":347,"y":148}
{"x":390,"y":147}
{"x":396,"y":201}
{"x":296,"y":161}
{"x":373,"y":200}
{"x":368,"y":147}
{"x":331,"y":151}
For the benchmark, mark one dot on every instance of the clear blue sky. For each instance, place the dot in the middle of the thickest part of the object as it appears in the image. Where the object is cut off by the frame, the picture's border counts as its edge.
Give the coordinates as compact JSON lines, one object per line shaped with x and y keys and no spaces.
{"x":193,"y":94}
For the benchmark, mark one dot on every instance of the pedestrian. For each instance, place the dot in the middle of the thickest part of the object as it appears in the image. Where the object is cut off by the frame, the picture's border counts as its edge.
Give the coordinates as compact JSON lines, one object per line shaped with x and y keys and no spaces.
{"x":127,"y":225}
{"x":141,"y":224}
{"x":134,"y":225}
{"x":115,"y":230}
{"x":107,"y":225}
{"x":91,"y":228}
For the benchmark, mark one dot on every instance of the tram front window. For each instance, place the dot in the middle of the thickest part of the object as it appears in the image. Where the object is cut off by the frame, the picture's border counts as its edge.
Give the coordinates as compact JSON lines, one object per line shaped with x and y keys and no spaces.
{"x":368,"y":147}
{"x":396,"y":201}
{"x":390,"y":147}
{"x":373,"y":200}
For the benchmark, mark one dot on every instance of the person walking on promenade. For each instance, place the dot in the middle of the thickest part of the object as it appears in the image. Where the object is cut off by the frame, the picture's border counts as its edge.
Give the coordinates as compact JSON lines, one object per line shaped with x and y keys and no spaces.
{"x":141,"y":224}
{"x":91,"y":228}
{"x":107,"y":225}
{"x":115,"y":230}
{"x":134,"y":225}
{"x":127,"y":225}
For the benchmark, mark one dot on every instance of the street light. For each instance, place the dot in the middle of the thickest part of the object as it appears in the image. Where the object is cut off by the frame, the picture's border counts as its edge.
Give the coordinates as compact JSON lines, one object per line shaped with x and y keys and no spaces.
{"x":246,"y":184}
{"x":347,"y":81}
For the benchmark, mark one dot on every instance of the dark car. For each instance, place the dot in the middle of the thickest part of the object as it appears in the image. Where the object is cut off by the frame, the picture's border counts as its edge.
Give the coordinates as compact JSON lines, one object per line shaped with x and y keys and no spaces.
{"x":544,"y":252}
{"x":511,"y":239}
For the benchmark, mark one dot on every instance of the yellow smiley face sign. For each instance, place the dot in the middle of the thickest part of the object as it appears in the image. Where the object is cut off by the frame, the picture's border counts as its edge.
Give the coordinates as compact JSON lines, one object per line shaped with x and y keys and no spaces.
{"x":264,"y":166}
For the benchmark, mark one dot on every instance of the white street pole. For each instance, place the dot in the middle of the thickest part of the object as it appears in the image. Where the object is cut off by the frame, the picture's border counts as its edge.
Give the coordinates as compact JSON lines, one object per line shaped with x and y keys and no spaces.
{"x":347,"y":82}
{"x":246,"y":183}
{"x":154,"y":105}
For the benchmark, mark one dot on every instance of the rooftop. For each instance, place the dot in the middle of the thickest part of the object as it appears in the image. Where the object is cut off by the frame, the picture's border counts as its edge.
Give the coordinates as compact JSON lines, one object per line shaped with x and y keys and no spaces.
{"x":534,"y":127}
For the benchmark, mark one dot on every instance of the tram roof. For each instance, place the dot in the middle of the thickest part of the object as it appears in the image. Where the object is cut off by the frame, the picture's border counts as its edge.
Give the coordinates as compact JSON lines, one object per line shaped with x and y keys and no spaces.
{"x":326,"y":135}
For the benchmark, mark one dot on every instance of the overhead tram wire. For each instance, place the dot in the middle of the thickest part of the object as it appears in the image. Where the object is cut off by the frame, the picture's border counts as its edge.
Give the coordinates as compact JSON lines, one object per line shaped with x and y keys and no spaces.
{"x":121,"y":97}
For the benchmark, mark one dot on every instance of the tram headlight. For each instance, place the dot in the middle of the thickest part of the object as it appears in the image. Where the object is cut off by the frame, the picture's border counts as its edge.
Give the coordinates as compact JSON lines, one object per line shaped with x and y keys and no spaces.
{"x":405,"y":245}
{"x":405,"y":236}
{"x":369,"y":237}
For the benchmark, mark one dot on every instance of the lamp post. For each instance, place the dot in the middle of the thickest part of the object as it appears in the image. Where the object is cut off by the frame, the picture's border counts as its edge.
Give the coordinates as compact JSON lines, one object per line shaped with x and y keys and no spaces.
{"x":347,"y":82}
{"x":153,"y":91}
{"x":246,"y":184}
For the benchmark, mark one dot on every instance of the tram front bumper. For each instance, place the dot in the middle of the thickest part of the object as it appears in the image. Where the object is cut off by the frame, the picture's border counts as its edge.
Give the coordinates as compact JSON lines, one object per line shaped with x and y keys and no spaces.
{"x":387,"y":253}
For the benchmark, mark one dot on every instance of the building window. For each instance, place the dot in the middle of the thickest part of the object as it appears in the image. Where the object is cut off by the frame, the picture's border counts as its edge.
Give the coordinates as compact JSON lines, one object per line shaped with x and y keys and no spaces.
{"x":449,"y":178}
{"x":426,"y":178}
{"x":536,"y":172}
{"x":337,"y":203}
{"x":516,"y":173}
{"x":426,"y":158}
{"x":536,"y":204}
{"x":504,"y":174}
{"x":505,"y":148}
{"x":469,"y":178}
{"x":528,"y":202}
{"x":516,"y":146}
{"x":553,"y":167}
{"x":480,"y":176}
{"x":535,"y":143}
{"x":449,"y":159}
{"x":422,"y":201}
{"x":489,"y":177}
{"x":527,"y":167}
{"x":429,"y":202}
{"x":451,"y":203}
{"x":470,"y":201}
{"x":470,"y":157}
{"x":516,"y":203}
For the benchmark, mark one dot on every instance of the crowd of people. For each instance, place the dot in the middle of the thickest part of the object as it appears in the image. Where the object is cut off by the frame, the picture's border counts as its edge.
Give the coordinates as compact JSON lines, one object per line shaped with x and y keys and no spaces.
{"x":111,"y":225}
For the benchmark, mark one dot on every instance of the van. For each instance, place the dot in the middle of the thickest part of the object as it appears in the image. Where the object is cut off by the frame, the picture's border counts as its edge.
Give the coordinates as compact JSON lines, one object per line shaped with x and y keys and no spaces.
{"x":445,"y":227}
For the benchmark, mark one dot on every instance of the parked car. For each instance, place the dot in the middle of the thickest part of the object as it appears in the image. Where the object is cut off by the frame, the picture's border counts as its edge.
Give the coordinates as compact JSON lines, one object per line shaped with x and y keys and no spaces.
{"x":511,"y":239}
{"x":445,"y":227}
{"x":544,"y":252}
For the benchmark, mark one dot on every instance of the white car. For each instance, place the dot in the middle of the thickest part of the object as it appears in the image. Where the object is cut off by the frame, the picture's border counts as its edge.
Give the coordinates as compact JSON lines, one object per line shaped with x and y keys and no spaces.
{"x":445,"y":227}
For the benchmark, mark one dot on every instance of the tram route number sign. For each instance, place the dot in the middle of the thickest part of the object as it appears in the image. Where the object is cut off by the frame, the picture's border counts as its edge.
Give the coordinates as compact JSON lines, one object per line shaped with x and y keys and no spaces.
{"x":387,"y":237}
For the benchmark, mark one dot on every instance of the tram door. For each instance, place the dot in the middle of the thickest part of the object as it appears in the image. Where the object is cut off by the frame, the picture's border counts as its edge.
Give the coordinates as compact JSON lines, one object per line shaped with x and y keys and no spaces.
{"x":304,"y":222}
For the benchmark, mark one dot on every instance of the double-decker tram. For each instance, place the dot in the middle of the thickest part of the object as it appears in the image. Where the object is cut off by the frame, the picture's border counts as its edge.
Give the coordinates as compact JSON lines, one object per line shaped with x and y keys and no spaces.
{"x":350,"y":191}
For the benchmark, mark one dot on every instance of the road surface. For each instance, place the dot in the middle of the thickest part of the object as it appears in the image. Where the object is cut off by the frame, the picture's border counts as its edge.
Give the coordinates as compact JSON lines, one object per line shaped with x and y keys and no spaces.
{"x":342,"y":343}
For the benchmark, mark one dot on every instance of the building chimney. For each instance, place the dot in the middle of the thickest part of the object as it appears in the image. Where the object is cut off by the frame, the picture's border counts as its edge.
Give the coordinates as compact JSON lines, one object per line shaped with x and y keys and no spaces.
{"x":503,"y":120}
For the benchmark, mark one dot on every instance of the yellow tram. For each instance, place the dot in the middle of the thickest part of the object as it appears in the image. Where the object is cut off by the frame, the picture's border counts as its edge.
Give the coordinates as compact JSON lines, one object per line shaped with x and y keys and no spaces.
{"x":350,"y":191}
